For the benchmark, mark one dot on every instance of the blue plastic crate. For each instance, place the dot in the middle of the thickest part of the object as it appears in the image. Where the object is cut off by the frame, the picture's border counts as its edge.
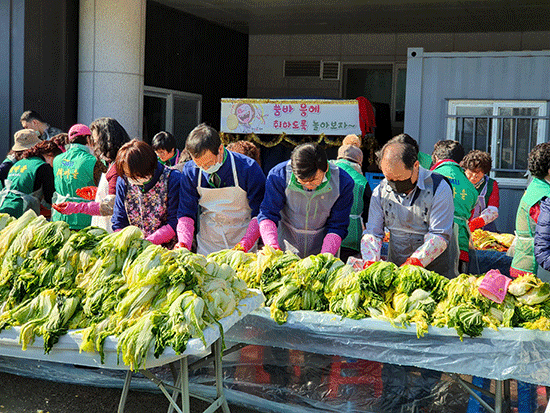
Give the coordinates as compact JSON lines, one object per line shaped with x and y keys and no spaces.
{"x":374,"y":179}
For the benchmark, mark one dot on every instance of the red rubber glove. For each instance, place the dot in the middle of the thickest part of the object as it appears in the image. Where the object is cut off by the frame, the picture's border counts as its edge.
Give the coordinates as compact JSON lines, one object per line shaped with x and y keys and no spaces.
{"x":476,"y":223}
{"x":45,"y":211}
{"x":239,"y":247}
{"x":87,"y":192}
{"x":180,"y":245}
{"x":162,"y":235}
{"x":412,"y":261}
{"x":250,"y":237}
{"x":268,"y":231}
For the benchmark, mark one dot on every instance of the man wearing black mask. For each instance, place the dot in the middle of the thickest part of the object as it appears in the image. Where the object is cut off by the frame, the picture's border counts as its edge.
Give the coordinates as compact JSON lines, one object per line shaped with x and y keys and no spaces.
{"x":416,"y":206}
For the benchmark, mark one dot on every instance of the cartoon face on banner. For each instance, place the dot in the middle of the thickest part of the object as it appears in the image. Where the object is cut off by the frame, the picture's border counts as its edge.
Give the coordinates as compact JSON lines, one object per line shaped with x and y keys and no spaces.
{"x":242,"y":118}
{"x":245,"y":113}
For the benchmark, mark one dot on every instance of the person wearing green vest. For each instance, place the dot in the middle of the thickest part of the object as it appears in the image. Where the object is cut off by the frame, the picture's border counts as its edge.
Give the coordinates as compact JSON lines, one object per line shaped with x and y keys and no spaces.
{"x":529,"y":249}
{"x":524,"y":261}
{"x":446,"y":157}
{"x":23,"y":139}
{"x":30,"y":182}
{"x":350,"y":159}
{"x":477,"y":165}
{"x":425,"y":160}
{"x":75,"y":169}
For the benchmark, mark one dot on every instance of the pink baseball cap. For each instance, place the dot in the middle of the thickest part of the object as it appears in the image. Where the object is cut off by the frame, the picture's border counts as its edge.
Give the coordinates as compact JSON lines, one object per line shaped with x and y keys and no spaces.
{"x":78,"y":130}
{"x":494,"y":286}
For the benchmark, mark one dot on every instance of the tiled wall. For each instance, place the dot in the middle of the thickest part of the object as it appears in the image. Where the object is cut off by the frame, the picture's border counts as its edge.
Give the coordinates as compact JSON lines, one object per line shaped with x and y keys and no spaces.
{"x":268,"y":52}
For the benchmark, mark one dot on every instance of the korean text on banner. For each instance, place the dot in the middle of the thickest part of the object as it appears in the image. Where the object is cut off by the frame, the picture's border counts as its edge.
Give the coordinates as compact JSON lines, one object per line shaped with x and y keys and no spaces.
{"x":293,"y":117}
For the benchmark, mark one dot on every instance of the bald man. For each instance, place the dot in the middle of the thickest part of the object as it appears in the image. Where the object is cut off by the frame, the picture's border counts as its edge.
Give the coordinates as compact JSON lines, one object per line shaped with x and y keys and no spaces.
{"x":416,"y":206}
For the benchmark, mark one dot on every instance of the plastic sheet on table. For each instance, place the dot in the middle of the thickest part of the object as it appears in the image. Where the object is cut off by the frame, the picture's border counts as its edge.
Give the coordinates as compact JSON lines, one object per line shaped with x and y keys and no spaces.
{"x":517,"y":353}
{"x":307,"y":382}
{"x":335,"y":384}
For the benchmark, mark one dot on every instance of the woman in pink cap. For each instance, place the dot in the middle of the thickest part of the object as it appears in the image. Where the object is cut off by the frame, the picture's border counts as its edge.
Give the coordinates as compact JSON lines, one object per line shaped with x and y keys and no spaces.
{"x":76,"y":168}
{"x":107,"y":136}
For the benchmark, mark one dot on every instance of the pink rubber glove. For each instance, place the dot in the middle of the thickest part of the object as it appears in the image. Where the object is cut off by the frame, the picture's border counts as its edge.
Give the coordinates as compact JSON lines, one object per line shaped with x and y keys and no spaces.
{"x":432,"y":248}
{"x":67,"y":208}
{"x":371,"y":247}
{"x":331,"y":243}
{"x":489,"y":214}
{"x":268,"y":230}
{"x":162,"y":235}
{"x":185,"y":230}
{"x":251,"y":236}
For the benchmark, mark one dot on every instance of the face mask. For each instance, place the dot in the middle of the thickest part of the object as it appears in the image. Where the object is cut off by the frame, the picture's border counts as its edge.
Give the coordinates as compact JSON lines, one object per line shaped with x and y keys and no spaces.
{"x":214,"y":168}
{"x":401,"y":187}
{"x":139,"y":181}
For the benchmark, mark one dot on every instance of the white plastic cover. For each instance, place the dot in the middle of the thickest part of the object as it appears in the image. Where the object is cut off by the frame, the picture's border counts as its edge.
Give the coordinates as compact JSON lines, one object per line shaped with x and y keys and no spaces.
{"x":505,"y":354}
{"x":67,"y":349}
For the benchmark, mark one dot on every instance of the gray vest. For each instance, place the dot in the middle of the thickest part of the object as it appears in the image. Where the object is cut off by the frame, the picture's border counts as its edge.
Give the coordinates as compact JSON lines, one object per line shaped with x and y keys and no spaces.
{"x":304,"y":216}
{"x":409,"y":224}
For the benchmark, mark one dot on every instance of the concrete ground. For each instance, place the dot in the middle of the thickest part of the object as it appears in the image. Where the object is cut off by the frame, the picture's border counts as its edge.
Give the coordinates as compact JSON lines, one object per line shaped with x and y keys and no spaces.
{"x":26,"y":395}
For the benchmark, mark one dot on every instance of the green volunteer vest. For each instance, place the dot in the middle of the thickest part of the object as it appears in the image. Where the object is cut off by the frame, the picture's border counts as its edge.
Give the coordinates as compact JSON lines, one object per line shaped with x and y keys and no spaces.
{"x":355,"y":228}
{"x":425,"y":160}
{"x":464,"y":199}
{"x":73,"y":169}
{"x":21,"y":179}
{"x":524,"y":254}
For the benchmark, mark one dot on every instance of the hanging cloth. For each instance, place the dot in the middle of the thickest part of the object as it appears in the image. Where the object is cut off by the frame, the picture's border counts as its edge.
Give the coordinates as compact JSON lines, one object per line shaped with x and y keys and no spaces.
{"x":367,"y":121}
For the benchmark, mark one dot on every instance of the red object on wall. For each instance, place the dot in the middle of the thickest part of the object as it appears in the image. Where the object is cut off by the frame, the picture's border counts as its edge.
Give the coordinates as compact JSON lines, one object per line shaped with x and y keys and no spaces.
{"x":367,"y":121}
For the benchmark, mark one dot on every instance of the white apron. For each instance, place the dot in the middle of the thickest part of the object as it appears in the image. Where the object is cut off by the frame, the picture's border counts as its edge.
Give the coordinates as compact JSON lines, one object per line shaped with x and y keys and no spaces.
{"x":224,"y":215}
{"x":102,"y":192}
{"x":29,"y":201}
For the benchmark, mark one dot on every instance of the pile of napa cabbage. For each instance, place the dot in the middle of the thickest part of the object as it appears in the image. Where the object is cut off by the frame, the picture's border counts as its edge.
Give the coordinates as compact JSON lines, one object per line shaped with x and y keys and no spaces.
{"x":399,"y":295}
{"x":101,"y":285}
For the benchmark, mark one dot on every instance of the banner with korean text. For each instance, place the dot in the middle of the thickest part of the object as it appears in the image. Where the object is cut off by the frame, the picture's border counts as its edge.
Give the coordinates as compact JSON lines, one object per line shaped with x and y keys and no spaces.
{"x":290,"y":116}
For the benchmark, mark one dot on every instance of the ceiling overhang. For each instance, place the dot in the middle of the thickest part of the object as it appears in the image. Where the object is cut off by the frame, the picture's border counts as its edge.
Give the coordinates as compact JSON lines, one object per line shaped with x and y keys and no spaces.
{"x":370,"y":16}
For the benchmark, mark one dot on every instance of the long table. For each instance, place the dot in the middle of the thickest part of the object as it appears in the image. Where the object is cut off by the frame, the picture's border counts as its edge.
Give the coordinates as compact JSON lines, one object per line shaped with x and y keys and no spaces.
{"x":67,"y":351}
{"x":499,"y":355}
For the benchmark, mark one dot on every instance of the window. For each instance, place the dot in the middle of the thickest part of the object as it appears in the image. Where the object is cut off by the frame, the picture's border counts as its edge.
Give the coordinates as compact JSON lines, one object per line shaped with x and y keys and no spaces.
{"x":508,"y":130}
{"x":383,"y":85}
{"x":172,"y":111}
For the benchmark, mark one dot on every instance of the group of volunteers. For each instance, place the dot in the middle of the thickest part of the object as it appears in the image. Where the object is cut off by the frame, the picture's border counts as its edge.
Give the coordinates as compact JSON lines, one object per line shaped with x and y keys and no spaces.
{"x":204,"y":198}
{"x":207,"y":197}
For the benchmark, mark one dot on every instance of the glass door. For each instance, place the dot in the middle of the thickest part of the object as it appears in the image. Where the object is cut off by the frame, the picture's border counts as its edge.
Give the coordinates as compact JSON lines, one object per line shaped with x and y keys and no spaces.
{"x":172,"y":111}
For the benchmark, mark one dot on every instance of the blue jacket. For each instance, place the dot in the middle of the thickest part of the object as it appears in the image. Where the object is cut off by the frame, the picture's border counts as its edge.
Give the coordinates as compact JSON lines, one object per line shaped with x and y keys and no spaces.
{"x":251,"y":180}
{"x":120,"y":219}
{"x":275,"y":200}
{"x":542,"y":235}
